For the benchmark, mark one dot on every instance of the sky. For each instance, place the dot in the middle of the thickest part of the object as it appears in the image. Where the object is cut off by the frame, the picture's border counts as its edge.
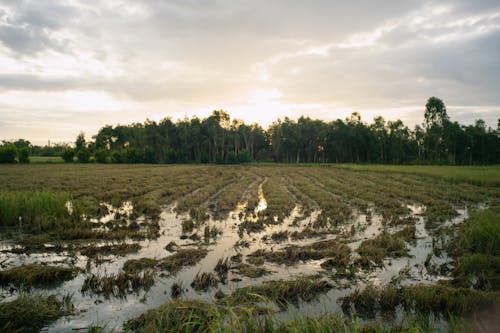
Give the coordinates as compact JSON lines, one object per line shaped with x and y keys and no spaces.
{"x":76,"y":65}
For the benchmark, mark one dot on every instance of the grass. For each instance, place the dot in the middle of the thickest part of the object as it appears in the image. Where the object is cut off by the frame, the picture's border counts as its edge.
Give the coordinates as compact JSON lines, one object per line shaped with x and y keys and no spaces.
{"x":182,"y":258}
{"x":207,"y":188}
{"x":117,"y":285}
{"x":134,"y":266}
{"x":36,"y":211}
{"x":482,"y":175}
{"x":176,"y":316}
{"x":222,"y":268}
{"x":279,"y":201}
{"x":111,"y":249}
{"x":292,"y":254}
{"x":200,"y":316}
{"x":36,"y":275}
{"x":307,"y":233}
{"x":475,"y":246}
{"x":31,"y":313}
{"x":46,"y":159}
{"x":282,"y":292}
{"x":176,"y":290}
{"x":427,"y":299}
{"x":251,"y":271}
{"x":373,"y":251}
{"x":336,"y":193}
{"x":204,"y":281}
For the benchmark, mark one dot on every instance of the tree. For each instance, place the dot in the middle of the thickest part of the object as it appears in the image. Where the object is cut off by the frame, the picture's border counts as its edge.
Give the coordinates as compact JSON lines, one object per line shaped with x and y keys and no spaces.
{"x":68,"y":155}
{"x":101,"y":156}
{"x":435,"y":112}
{"x":8,"y":153}
{"x":80,"y":142}
{"x":83,"y":155}
{"x":23,"y":155}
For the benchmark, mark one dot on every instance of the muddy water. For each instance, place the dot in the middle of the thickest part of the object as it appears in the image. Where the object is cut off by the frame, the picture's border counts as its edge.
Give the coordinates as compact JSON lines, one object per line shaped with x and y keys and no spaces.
{"x":112,"y":312}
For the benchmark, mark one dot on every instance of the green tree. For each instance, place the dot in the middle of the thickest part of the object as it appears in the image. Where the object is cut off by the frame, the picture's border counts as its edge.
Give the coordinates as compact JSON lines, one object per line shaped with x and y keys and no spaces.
{"x":68,"y":155}
{"x":101,"y":155}
{"x":435,"y":112}
{"x":83,"y":155}
{"x":23,"y":155}
{"x":8,"y":153}
{"x":80,"y":142}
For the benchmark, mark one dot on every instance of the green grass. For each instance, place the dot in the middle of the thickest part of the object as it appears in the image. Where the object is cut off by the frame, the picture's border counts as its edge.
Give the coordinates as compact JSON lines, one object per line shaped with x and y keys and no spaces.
{"x":475,"y":246}
{"x":373,"y":251}
{"x":481,"y":175}
{"x":46,"y":159}
{"x":427,"y":299}
{"x":118,"y":285}
{"x":181,"y":259}
{"x":34,"y":210}
{"x":251,"y":271}
{"x":132,"y":266}
{"x":292,"y":254}
{"x":282,"y":292}
{"x":199,"y":316}
{"x":36,"y":275}
{"x":111,"y":249}
{"x":31,"y":313}
{"x":204,"y":281}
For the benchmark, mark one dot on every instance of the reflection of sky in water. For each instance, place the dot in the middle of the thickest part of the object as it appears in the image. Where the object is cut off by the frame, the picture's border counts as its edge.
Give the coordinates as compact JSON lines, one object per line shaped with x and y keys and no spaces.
{"x":262,"y":205}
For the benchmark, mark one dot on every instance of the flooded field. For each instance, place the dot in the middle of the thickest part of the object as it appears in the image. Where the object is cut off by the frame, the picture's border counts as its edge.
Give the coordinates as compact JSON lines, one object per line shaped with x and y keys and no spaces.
{"x":109,"y":243}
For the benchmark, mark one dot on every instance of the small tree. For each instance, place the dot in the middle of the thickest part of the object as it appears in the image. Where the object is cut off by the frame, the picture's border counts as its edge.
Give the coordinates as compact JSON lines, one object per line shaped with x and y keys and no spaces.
{"x":23,"y":155}
{"x":68,"y":155}
{"x":435,"y":113}
{"x":8,"y":154}
{"x":80,"y":142}
{"x":116,"y":157}
{"x":244,"y":156}
{"x":83,"y":155}
{"x":101,"y":156}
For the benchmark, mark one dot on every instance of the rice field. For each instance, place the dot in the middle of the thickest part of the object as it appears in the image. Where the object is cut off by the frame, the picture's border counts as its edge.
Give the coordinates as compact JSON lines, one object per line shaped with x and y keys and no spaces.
{"x":249,"y":248}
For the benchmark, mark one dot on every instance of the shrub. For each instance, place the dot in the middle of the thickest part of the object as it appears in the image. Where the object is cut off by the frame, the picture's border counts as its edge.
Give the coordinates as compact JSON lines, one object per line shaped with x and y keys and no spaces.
{"x":116,"y":157}
{"x":23,"y":155}
{"x":83,"y":155}
{"x":68,"y":155}
{"x":101,"y":156}
{"x":31,"y":313}
{"x":8,"y":154}
{"x":244,"y":157}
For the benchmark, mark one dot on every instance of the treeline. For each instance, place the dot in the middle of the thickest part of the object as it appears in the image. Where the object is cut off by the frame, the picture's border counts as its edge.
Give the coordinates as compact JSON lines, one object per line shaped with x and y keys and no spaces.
{"x":10,"y":153}
{"x":217,"y":139}
{"x":20,"y":150}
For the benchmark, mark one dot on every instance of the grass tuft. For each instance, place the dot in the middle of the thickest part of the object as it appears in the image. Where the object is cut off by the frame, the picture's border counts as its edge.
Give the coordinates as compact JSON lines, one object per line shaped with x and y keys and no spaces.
{"x":36,"y":275}
{"x":31,"y":313}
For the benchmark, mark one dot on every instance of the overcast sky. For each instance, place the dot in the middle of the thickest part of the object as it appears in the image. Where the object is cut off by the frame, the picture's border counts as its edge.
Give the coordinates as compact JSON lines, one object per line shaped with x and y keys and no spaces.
{"x":73,"y":65}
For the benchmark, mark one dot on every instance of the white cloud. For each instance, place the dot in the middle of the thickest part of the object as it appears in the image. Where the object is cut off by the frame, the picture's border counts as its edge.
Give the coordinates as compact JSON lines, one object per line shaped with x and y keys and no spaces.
{"x":257,"y":59}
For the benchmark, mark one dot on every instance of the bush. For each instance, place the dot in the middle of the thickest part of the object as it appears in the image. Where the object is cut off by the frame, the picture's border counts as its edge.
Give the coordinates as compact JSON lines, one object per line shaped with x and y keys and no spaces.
{"x":101,"y":156}
{"x":31,"y":313}
{"x":8,"y":154}
{"x":134,"y":155}
{"x":83,"y":155}
{"x":68,"y":155}
{"x":149,"y":156}
{"x":23,"y":155}
{"x":116,"y":157}
{"x":244,"y":157}
{"x":231,"y":158}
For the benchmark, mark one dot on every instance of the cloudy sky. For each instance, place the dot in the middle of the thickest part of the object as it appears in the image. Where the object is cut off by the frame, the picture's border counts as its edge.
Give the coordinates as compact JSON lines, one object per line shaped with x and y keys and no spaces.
{"x":72,"y":65}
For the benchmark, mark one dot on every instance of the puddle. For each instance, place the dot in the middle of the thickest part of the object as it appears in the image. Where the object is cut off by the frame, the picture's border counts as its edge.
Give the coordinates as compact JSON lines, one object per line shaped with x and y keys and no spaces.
{"x":112,"y":312}
{"x":262,"y":205}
